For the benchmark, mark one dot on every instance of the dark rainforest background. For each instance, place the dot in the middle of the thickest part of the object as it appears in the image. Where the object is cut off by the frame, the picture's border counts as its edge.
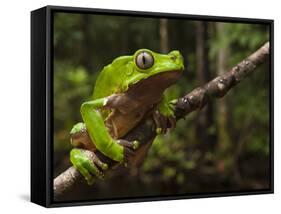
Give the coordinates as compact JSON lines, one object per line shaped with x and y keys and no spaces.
{"x":222,"y":148}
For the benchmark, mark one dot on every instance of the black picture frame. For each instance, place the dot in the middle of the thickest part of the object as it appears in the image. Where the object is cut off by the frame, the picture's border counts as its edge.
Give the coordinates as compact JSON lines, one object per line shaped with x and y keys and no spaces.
{"x":42,"y":102}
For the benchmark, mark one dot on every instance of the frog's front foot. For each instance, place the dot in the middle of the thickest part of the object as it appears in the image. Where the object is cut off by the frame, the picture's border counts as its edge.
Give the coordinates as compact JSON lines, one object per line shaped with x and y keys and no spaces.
{"x":129,"y":149}
{"x":163,"y":123}
{"x":88,"y":164}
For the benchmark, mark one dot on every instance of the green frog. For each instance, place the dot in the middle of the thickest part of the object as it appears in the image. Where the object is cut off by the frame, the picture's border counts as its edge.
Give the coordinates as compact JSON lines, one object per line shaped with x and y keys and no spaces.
{"x":125,"y":92}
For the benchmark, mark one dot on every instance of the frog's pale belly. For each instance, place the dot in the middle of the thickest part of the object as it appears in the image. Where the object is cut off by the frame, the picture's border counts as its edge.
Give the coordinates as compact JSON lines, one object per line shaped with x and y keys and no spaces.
{"x":119,"y":124}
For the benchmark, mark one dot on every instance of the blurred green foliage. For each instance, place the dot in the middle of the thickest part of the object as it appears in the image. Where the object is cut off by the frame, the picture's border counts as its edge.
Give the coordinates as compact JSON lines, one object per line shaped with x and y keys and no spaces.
{"x":178,"y":162}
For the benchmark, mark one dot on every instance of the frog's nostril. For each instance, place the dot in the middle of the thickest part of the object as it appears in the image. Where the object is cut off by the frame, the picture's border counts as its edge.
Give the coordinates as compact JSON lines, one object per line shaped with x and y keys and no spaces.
{"x":174,"y":58}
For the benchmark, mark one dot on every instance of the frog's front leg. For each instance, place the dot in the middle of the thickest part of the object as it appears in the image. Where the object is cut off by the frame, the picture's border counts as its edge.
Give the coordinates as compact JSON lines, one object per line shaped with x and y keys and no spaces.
{"x":99,"y":134}
{"x":164,"y":116}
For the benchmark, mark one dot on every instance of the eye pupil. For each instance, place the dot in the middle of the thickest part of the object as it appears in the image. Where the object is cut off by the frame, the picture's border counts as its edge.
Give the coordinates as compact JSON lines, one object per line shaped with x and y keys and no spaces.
{"x":144,"y":60}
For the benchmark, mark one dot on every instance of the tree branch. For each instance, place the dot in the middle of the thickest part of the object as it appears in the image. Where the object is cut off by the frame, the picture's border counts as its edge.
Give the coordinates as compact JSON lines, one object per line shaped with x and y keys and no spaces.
{"x":196,"y":99}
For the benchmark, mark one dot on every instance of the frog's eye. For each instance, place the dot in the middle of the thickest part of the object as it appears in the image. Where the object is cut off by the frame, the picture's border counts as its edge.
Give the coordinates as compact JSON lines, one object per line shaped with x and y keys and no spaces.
{"x":144,"y":60}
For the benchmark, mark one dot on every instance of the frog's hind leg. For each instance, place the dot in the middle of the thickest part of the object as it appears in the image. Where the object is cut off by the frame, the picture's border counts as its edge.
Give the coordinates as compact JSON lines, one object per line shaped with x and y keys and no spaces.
{"x":164,"y":116}
{"x":79,"y":137}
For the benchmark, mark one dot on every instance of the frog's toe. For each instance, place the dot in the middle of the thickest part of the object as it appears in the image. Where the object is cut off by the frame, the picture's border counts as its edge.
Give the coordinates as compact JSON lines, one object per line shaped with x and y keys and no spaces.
{"x":91,"y":167}
{"x":172,"y":122}
{"x":161,"y":122}
{"x":89,"y":178}
{"x":136,"y":144}
{"x":129,"y":147}
{"x":129,"y":144}
{"x":96,"y":160}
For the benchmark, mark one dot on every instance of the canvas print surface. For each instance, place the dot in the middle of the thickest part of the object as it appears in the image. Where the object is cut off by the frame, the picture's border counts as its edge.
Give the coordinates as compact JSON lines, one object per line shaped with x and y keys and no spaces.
{"x":149,"y":107}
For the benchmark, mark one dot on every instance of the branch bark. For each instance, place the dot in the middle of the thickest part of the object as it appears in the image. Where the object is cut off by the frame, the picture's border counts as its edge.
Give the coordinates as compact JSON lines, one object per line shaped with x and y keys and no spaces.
{"x":196,"y":99}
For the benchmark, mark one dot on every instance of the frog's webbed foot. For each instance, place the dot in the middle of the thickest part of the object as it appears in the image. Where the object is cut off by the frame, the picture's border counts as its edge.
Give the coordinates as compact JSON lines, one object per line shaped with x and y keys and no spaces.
{"x":129,"y":149}
{"x":88,"y":164}
{"x":163,"y":123}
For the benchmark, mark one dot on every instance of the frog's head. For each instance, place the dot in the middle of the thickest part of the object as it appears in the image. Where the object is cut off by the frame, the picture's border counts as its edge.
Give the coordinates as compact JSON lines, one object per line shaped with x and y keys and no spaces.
{"x":149,"y":69}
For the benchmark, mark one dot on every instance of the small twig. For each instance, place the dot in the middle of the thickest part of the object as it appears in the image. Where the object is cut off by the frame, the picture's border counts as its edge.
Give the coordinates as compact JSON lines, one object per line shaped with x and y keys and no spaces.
{"x":196,"y":99}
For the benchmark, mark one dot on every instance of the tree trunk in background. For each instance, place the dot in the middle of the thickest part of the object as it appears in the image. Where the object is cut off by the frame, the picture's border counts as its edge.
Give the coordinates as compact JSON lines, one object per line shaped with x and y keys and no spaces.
{"x":222,"y":105}
{"x":87,"y":45}
{"x":164,"y":36}
{"x":227,"y":162}
{"x":205,"y":129}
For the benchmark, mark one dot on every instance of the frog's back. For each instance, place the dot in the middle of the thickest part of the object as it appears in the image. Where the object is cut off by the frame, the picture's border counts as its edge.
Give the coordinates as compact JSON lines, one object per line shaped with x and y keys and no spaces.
{"x":110,"y":78}
{"x":104,"y":84}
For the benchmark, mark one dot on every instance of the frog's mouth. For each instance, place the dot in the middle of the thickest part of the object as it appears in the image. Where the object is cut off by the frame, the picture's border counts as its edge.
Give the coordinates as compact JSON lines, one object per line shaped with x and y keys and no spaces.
{"x":155,"y":84}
